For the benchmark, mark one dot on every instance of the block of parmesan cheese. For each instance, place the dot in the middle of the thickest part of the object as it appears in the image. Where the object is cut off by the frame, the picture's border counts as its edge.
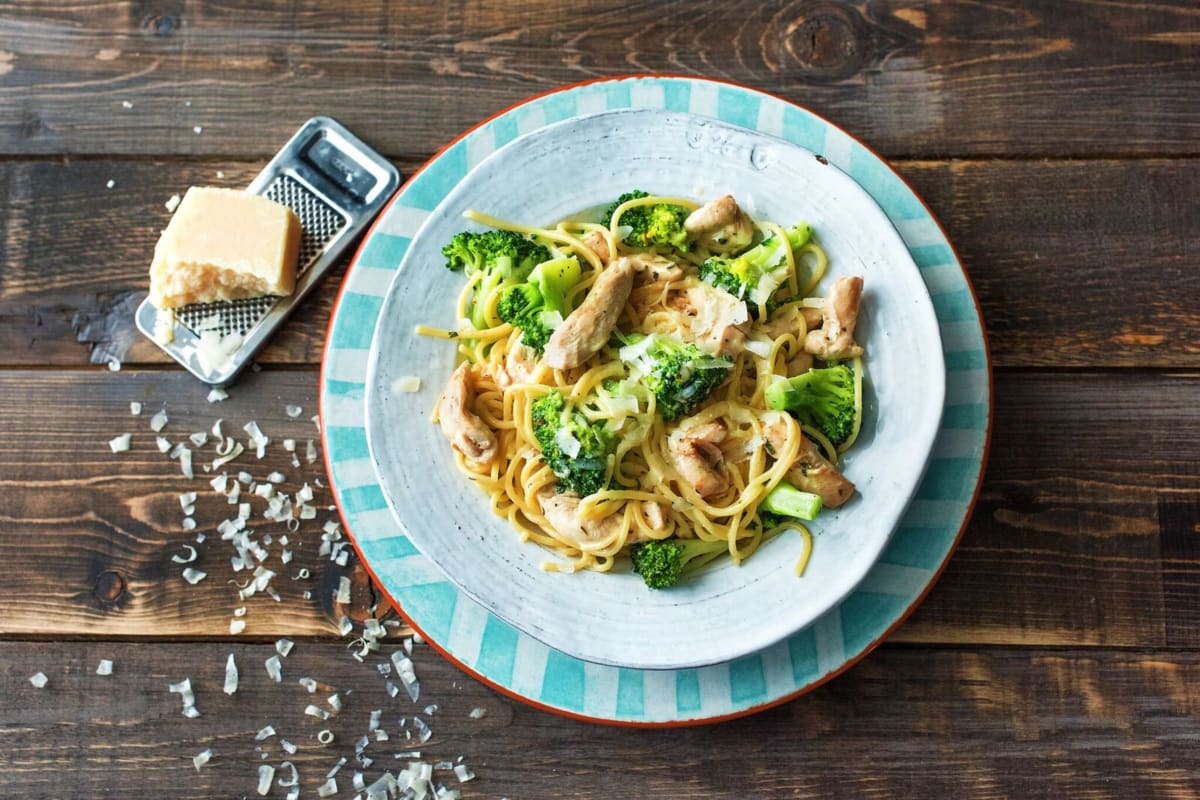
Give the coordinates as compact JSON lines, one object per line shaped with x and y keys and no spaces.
{"x":223,"y":244}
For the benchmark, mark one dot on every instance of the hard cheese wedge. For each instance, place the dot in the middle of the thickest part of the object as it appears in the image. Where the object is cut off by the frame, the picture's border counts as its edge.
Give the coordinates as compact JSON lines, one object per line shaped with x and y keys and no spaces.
{"x":223,"y":244}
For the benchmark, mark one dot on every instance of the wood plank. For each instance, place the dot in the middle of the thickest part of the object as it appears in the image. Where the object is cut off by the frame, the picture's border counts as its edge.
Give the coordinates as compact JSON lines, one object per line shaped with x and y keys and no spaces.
{"x":961,"y":78}
{"x":1066,"y":546}
{"x":1080,"y":530}
{"x":77,"y":257}
{"x":905,"y":722}
{"x":90,"y":535}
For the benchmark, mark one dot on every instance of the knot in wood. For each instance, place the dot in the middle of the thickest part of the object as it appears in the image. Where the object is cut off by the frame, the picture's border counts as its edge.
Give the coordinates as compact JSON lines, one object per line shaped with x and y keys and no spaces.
{"x":828,"y":42}
{"x":110,"y":587}
{"x":160,"y":24}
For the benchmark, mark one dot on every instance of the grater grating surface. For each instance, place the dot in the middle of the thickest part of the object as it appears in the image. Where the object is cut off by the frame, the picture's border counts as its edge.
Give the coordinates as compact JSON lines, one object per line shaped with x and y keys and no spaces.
{"x":319,"y":223}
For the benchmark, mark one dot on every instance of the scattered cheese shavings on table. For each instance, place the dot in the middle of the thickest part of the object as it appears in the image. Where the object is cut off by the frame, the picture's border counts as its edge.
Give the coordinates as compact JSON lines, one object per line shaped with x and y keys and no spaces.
{"x":252,"y":546}
{"x":39,"y":680}
{"x":120,"y":444}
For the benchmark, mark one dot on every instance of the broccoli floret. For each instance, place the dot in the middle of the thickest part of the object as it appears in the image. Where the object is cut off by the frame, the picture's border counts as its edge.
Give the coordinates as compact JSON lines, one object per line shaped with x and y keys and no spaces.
{"x":503,"y":257}
{"x":821,"y":398}
{"x":522,"y":306}
{"x":584,"y":472}
{"x":662,"y":562}
{"x":530,"y":306}
{"x":680,"y":375}
{"x":758,"y":271}
{"x":654,"y":225}
{"x":786,"y":500}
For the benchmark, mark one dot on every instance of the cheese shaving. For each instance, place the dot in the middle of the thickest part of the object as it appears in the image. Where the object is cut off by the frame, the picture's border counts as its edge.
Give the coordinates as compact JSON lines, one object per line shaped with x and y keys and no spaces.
{"x":193,"y":576}
{"x":231,"y":675}
{"x":202,"y":758}
{"x":407,"y":384}
{"x":266,"y":774}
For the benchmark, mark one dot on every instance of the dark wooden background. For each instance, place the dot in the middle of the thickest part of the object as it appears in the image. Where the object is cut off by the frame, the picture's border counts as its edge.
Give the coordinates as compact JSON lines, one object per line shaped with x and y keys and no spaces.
{"x":1059,"y":656}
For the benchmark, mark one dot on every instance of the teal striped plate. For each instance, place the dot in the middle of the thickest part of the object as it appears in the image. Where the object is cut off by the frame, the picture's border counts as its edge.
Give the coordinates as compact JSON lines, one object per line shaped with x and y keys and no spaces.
{"x":519,"y":665}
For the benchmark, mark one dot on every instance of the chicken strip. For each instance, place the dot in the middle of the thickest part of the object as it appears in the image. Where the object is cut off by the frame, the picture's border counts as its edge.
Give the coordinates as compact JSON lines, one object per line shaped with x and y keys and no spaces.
{"x":652,"y":512}
{"x":597,"y":242}
{"x":811,"y":471}
{"x":562,"y":512}
{"x":718,"y":319}
{"x":696,"y":454}
{"x":655,"y":269}
{"x":520,"y":364}
{"x":720,"y":225}
{"x":834,"y":340}
{"x":799,"y":364}
{"x":788,"y":323}
{"x":466,"y":431}
{"x":588,"y":327}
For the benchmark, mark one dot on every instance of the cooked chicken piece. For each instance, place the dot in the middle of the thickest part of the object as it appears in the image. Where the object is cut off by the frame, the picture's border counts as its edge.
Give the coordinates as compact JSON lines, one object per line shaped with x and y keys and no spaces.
{"x":835,"y":339}
{"x":466,"y":431}
{"x":720,"y":225}
{"x":653,"y":513}
{"x":562,"y":512}
{"x":654,"y":269}
{"x":799,"y":364}
{"x":519,"y":365}
{"x":695,"y":452}
{"x":597,"y":242}
{"x":588,"y":327}
{"x":811,"y":471}
{"x":787,"y":323}
{"x":719,"y":320}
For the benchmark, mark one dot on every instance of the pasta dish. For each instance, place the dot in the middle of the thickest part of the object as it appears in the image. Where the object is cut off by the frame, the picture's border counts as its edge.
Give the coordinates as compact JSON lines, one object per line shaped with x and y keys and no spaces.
{"x":663,"y":383}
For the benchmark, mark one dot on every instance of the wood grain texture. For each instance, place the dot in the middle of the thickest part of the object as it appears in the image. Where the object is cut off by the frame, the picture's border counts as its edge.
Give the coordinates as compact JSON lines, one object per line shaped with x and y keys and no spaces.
{"x":1030,"y":234}
{"x":1065,"y":548}
{"x":94,"y":532}
{"x":952,"y":78}
{"x":903,"y":723}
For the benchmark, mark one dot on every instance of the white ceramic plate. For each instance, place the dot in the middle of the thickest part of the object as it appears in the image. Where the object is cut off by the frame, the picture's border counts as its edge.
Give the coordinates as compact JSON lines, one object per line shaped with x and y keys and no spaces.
{"x":580,"y":164}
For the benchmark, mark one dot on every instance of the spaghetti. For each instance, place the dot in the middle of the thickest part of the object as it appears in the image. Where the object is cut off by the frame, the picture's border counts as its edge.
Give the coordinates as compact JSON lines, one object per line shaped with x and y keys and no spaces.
{"x":657,"y":474}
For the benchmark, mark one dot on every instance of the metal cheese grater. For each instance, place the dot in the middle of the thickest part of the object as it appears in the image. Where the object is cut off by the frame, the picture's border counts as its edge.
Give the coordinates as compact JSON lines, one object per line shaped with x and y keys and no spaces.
{"x":336,"y":185}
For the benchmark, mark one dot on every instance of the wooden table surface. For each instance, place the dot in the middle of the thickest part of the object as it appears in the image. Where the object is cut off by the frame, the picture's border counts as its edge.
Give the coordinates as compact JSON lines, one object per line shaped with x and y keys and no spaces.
{"x":1058,"y":656}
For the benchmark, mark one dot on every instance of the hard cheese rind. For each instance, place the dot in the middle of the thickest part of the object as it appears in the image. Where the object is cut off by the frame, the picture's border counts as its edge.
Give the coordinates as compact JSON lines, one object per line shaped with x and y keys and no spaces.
{"x":223,"y":244}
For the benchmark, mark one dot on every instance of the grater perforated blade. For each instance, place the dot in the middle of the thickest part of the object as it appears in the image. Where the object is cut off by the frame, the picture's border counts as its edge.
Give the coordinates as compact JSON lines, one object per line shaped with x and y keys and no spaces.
{"x":336,"y":185}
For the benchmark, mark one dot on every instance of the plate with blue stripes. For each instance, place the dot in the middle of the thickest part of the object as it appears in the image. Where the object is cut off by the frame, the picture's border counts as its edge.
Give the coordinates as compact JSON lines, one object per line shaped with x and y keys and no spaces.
{"x":521,"y":665}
